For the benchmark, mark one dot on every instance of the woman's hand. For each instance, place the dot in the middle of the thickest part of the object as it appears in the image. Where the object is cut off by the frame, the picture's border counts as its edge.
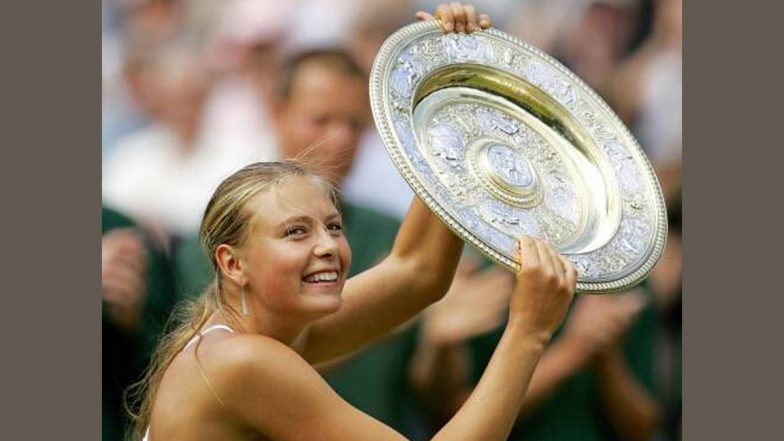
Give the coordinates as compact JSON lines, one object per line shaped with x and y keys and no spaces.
{"x":455,"y":17}
{"x":545,"y":288}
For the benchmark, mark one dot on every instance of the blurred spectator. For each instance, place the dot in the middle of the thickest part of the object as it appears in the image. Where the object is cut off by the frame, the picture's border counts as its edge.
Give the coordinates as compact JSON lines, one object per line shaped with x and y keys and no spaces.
{"x":146,"y":174}
{"x":137,"y":295}
{"x":475,"y":305}
{"x":324,"y":110}
{"x":177,"y":136}
{"x":373,"y":22}
{"x":126,"y":105}
{"x":594,"y":382}
{"x":668,"y":294}
{"x":127,"y":26}
{"x":599,"y":40}
{"x":544,"y":23}
{"x":647,"y":92}
{"x":321,"y":23}
{"x":154,"y":20}
{"x":244,"y":51}
{"x":164,"y":174}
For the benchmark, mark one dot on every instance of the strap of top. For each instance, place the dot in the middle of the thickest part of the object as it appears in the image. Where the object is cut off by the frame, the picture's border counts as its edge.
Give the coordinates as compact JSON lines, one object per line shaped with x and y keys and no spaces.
{"x":201,"y":334}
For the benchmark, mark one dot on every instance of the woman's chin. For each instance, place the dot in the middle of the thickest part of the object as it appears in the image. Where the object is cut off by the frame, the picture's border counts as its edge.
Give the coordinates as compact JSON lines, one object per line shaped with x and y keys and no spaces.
{"x":323,"y":298}
{"x":324,"y":303}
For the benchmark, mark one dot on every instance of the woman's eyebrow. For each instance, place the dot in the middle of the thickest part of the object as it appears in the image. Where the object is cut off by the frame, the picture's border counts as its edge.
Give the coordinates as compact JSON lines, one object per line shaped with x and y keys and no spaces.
{"x":307,"y":219}
{"x":293,"y":220}
{"x":334,"y":215}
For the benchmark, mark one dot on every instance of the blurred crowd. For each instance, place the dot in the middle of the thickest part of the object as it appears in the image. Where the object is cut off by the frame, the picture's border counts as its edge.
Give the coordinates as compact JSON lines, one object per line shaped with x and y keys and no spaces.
{"x":194,"y":89}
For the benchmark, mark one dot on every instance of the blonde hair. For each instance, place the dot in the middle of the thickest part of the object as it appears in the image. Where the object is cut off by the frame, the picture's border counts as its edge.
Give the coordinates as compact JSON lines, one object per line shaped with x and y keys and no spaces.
{"x":226,"y":221}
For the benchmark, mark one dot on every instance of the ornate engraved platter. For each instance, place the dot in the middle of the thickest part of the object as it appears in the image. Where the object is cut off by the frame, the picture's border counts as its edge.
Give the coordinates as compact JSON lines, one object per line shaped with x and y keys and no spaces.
{"x":500,"y":140}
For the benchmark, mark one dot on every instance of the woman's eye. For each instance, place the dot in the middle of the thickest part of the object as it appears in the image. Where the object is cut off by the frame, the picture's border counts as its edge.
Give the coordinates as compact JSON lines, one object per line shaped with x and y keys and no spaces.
{"x":295,"y":231}
{"x":335,"y":227}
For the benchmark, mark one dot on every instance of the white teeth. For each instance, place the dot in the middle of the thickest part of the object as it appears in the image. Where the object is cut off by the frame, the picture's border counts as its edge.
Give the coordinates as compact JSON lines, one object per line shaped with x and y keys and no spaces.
{"x":322,"y":277}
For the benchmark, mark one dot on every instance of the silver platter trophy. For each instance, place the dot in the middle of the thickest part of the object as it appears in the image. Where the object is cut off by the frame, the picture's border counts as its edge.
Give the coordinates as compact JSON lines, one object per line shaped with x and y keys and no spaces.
{"x":500,"y":140}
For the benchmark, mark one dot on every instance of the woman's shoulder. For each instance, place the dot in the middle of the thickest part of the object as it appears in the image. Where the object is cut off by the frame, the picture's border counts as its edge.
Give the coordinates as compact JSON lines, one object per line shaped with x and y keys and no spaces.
{"x":260,"y":373}
{"x":256,"y":357}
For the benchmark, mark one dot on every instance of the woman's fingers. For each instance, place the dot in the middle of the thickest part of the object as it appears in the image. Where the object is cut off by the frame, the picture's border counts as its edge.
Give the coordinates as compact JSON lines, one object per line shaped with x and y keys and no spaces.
{"x":550,"y":266}
{"x":529,"y":256}
{"x":459,"y":16}
{"x":471,"y":23}
{"x":444,"y":14}
{"x":456,"y":17}
{"x":423,"y":16}
{"x":558,"y":263}
{"x":571,"y":272}
{"x":534,"y":252}
{"x":484,"y":21}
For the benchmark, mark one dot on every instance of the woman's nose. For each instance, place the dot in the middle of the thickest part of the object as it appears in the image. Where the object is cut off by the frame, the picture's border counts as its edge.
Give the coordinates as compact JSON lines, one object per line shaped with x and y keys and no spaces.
{"x":327,"y":244}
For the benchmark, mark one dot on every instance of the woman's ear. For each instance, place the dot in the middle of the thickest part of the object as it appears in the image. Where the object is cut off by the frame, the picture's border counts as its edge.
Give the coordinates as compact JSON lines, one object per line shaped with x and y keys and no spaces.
{"x":229,"y":263}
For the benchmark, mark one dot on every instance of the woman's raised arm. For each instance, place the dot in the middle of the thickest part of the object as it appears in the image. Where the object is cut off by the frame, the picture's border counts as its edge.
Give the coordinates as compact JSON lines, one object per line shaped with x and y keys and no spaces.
{"x":283,"y":397}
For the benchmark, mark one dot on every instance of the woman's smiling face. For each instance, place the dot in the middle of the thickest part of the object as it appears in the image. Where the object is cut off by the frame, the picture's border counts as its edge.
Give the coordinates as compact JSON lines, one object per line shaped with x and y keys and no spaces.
{"x":296,"y":255}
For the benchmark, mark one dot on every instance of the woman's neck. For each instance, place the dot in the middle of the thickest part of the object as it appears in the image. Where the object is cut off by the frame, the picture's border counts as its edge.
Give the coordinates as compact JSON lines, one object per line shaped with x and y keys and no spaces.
{"x":287,"y":332}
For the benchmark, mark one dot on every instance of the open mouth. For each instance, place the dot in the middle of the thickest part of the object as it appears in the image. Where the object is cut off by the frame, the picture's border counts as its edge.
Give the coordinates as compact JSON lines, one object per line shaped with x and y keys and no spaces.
{"x":325,"y":277}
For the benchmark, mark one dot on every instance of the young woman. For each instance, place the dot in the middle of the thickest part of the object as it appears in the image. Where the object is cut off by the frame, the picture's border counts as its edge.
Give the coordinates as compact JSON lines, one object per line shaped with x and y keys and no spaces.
{"x":240,"y":365}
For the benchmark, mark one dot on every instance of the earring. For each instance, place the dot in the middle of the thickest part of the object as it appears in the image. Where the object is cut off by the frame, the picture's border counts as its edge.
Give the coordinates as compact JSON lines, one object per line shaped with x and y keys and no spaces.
{"x":244,"y":305}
